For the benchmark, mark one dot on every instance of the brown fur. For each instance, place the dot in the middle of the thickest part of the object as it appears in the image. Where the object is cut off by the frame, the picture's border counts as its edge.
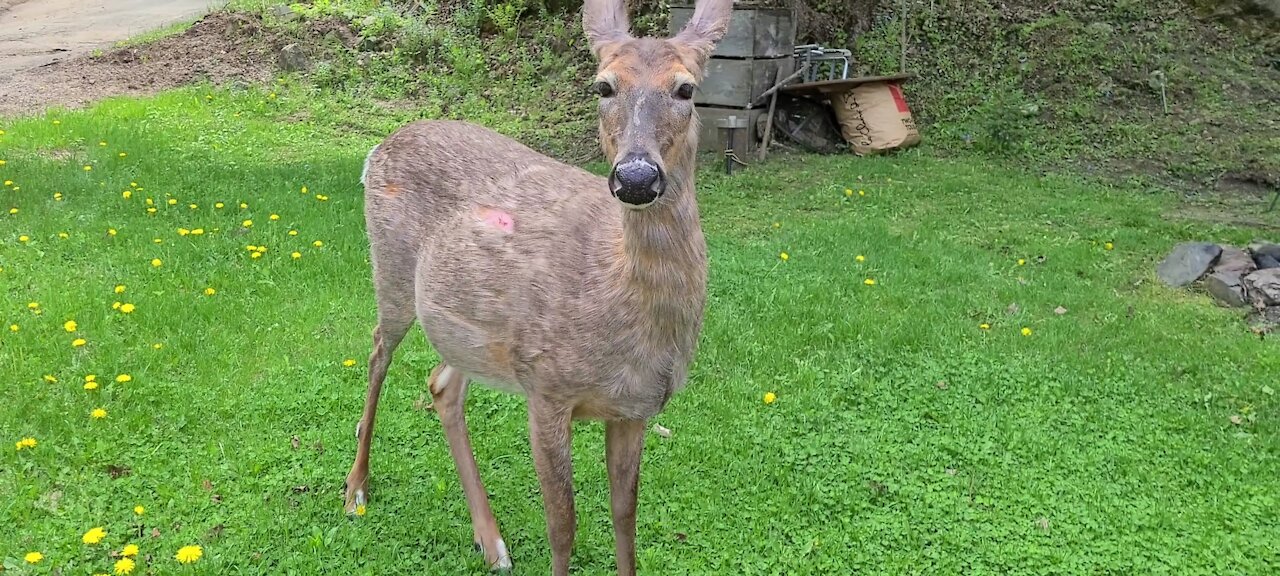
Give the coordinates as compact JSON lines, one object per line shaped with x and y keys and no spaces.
{"x":527,"y":276}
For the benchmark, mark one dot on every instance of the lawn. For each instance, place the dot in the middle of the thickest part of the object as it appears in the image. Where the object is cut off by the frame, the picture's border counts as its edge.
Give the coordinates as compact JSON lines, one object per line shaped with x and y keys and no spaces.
{"x":934,"y":413}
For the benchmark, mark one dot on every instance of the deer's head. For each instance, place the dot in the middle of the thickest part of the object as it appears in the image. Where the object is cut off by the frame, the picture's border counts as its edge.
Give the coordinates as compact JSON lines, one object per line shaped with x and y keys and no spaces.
{"x":646,"y":86}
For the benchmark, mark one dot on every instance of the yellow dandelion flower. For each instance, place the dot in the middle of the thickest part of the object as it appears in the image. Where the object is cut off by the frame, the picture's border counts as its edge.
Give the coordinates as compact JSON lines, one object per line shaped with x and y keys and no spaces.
{"x":127,"y":194}
{"x":218,"y":205}
{"x":157,"y":346}
{"x":193,"y":206}
{"x":197,"y":231}
{"x":78,"y":342}
{"x":262,"y":248}
{"x":90,"y":377}
{"x":57,"y":122}
{"x":122,"y":154}
{"x":32,"y":305}
{"x":119,"y":289}
{"x":69,"y":325}
{"x":317,"y":243}
{"x":111,"y":231}
{"x":869,"y":281}
{"x":13,"y":328}
{"x":296,"y":255}
{"x":151,"y":202}
{"x":210,"y":291}
{"x":348,"y":362}
{"x":50,"y":378}
{"x":1108,"y":246}
{"x":275,"y":217}
{"x":189,"y":554}
{"x":984,"y":326}
{"x":173,"y":201}
{"x":94,"y":535}
{"x":244,"y":205}
{"x":139,"y":510}
{"x":8,"y":182}
{"x":115,"y":305}
{"x":247,"y":223}
{"x":860,"y":258}
{"x":129,"y":551}
{"x":98,"y":414}
{"x":133,"y":184}
{"x":122,"y":378}
{"x":151,"y":210}
{"x":304,"y":189}
{"x":13,"y":211}
{"x":91,"y":385}
{"x":360,"y":510}
{"x":770,"y":397}
{"x":862,"y":192}
{"x":57,"y":196}
{"x":848,"y":192}
{"x":127,"y":308}
{"x":87,"y":167}
{"x":26,"y":443}
{"x":293,"y":232}
{"x":1026,"y":331}
{"x":124,"y":566}
{"x":24,"y":238}
{"x":155,"y":263}
{"x":256,"y":255}
{"x":784,"y":256}
{"x":322,"y":198}
{"x":33,"y":557}
{"x":1022,"y":261}
{"x":183,"y":231}
{"x":63,"y":235}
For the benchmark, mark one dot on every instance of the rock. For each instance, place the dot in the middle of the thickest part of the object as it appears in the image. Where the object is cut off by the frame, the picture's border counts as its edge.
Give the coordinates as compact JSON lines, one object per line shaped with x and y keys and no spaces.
{"x":1263,"y":287}
{"x":284,"y":13}
{"x":1187,"y":263}
{"x":1265,"y":261}
{"x":1234,"y":260}
{"x":291,"y":58}
{"x":1099,"y":29}
{"x":1259,"y":247}
{"x":1227,"y":288}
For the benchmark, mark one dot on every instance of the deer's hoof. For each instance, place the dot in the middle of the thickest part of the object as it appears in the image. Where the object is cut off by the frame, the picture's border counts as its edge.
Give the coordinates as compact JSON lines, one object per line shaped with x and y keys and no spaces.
{"x":497,"y":558}
{"x":355,"y":498}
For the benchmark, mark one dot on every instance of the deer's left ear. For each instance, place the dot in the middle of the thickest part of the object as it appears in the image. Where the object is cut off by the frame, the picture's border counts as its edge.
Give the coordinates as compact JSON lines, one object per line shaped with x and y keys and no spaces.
{"x":707,"y":26}
{"x":605,"y":22}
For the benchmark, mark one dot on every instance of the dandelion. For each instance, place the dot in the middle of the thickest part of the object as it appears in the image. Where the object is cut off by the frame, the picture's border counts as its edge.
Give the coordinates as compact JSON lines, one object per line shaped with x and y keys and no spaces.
{"x":13,"y":211}
{"x":127,"y":194}
{"x":1026,"y":331}
{"x":155,"y":263}
{"x":784,"y":256}
{"x":183,"y":231}
{"x":860,"y":258}
{"x":1022,"y":261}
{"x":157,"y":346}
{"x":111,"y":231}
{"x":304,"y":189}
{"x":90,"y":377}
{"x":255,"y":255}
{"x":78,"y":342}
{"x":26,"y":444}
{"x":57,"y":196}
{"x":173,"y":201}
{"x":94,"y":535}
{"x":91,"y":385}
{"x":57,"y":122}
{"x":218,"y":205}
{"x":139,"y":510}
{"x":50,"y":378}
{"x":317,"y":243}
{"x":127,"y":308}
{"x":869,"y":281}
{"x":984,"y":326}
{"x":296,"y":255}
{"x":769,"y":397}
{"x":119,"y":289}
{"x":129,"y":551}
{"x":24,"y":238}
{"x":122,"y":154}
{"x":151,"y":210}
{"x":123,"y":378}
{"x":87,"y":168}
{"x":1108,"y":246}
{"x":98,"y":414}
{"x":848,"y":192}
{"x":102,"y":143}
{"x":862,"y":192}
{"x":8,"y":182}
{"x":124,"y":566}
{"x":275,"y":216}
{"x":32,"y":305}
{"x":13,"y":328}
{"x":193,"y":206}
{"x":360,"y":510}
{"x":247,"y":223}
{"x":210,"y":291}
{"x":151,"y":202}
{"x":197,"y":231}
{"x":189,"y":554}
{"x":69,"y":325}
{"x":293,"y":232}
{"x":63,"y":235}
{"x":33,"y":557}
{"x":322,"y":198}
{"x":348,"y":362}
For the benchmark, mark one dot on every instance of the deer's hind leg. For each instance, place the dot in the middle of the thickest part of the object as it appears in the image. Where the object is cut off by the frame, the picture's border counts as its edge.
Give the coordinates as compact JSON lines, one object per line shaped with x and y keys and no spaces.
{"x":395,"y":317}
{"x":449,"y":395}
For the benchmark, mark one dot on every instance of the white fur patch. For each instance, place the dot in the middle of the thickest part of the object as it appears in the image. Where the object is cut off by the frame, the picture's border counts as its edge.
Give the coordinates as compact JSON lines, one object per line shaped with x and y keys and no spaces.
{"x":365,"y":173}
{"x":442,"y":380}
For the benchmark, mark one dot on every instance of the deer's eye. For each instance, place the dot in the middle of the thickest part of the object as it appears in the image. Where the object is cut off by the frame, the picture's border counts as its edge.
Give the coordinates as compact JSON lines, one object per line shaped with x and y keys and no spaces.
{"x":604,"y":89}
{"x":685,"y":91}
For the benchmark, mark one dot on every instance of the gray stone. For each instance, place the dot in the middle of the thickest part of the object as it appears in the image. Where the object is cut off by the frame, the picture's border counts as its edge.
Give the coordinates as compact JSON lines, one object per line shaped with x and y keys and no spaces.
{"x":1234,"y":260}
{"x":1187,"y":263}
{"x":285,"y":13}
{"x":292,"y":59}
{"x":1263,"y":287}
{"x":1226,"y":287}
{"x":1265,"y":261}
{"x":1266,"y":254}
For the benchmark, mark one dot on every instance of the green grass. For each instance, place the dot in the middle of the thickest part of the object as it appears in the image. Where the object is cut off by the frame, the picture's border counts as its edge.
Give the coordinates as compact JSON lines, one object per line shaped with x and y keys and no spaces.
{"x":904,"y":439}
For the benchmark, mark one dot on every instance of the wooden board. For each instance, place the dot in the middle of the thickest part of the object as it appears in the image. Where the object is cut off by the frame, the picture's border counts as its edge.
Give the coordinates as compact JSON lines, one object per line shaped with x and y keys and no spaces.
{"x":753,"y":32}
{"x":711,"y":136}
{"x":730,"y":82}
{"x":836,"y":86}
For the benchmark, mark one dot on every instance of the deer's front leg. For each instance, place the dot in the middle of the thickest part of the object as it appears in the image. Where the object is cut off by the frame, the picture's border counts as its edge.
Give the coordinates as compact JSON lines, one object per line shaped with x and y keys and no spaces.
{"x":624,"y":442}
{"x":550,"y":434}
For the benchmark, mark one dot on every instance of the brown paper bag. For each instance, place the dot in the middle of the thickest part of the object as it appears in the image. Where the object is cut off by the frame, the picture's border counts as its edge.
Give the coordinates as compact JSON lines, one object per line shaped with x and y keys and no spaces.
{"x":874,"y":117}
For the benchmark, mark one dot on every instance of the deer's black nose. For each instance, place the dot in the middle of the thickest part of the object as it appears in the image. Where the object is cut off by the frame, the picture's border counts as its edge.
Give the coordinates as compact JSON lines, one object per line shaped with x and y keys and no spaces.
{"x":636,"y":181}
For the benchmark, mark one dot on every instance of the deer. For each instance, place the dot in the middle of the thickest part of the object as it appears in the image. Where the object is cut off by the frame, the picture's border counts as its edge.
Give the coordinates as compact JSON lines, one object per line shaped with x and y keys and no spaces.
{"x":583,"y":293}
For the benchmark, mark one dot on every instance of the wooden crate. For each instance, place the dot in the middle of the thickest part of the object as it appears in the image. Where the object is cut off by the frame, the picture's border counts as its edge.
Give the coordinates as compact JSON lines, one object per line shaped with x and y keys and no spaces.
{"x":711,"y":136}
{"x":753,"y":32}
{"x":732,"y":82}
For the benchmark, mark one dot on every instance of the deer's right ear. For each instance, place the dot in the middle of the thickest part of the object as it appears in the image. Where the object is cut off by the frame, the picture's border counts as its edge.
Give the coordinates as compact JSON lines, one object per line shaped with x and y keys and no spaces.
{"x":605,"y":22}
{"x":707,"y":26}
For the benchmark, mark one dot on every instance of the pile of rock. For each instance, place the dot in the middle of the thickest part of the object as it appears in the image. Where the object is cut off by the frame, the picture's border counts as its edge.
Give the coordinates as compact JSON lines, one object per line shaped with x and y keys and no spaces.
{"x":1235,"y":277}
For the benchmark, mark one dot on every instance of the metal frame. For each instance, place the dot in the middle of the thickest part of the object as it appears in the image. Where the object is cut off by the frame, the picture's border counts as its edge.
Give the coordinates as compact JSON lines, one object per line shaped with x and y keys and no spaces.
{"x":822,"y":61}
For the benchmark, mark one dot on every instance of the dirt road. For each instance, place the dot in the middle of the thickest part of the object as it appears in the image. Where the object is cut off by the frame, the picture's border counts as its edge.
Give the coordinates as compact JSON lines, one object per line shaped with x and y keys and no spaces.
{"x":34,"y":33}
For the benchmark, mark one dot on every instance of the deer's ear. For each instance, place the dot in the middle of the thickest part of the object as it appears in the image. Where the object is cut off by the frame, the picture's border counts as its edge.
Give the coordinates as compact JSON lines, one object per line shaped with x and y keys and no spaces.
{"x":707,"y":26}
{"x":605,"y":22}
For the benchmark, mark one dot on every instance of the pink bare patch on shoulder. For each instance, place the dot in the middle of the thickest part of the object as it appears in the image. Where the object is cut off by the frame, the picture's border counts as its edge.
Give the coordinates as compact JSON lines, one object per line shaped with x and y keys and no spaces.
{"x":498,"y":219}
